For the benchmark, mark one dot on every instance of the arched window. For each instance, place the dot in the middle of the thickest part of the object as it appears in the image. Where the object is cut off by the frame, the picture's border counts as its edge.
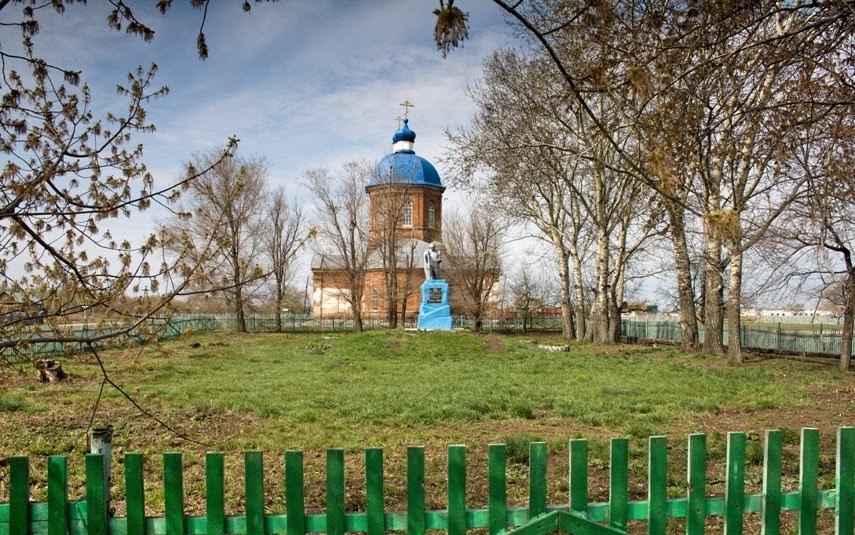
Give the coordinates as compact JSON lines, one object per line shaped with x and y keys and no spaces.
{"x":375,"y":300}
{"x":431,"y":214}
{"x":407,"y":213}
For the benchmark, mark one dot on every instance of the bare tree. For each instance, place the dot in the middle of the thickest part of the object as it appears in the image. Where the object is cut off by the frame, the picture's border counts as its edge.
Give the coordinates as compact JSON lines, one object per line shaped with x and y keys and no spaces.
{"x":341,"y":222}
{"x":224,"y":209}
{"x":66,"y":174}
{"x":528,"y":167}
{"x":283,"y":235}
{"x":393,"y":240}
{"x":472,"y":247}
{"x":530,"y":291}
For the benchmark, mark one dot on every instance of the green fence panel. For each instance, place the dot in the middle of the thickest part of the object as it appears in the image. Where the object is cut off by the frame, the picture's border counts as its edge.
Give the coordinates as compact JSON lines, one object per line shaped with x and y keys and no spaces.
{"x":808,"y":481}
{"x":497,"y":501}
{"x":335,"y":492}
{"x":657,"y":485}
{"x":173,"y":490}
{"x":215,"y":494}
{"x":734,"y":494}
{"x":579,"y":477}
{"x":134,"y":494}
{"x":618,"y":482}
{"x":456,"y":490}
{"x":844,"y":507}
{"x":57,"y":495}
{"x":771,"y":506}
{"x":19,"y":495}
{"x":253,"y":465}
{"x":536,"y":479}
{"x":96,"y":495}
{"x":375,"y":507}
{"x":294,"y":493}
{"x":697,"y":476}
{"x":415,"y":490}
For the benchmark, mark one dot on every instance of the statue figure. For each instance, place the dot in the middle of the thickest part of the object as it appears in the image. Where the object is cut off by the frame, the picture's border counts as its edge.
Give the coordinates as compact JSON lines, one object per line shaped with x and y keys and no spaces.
{"x":432,"y":261}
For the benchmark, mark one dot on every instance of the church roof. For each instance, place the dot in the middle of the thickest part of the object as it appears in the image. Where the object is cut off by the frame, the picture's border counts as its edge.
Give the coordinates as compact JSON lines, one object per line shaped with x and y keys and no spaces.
{"x":403,"y":166}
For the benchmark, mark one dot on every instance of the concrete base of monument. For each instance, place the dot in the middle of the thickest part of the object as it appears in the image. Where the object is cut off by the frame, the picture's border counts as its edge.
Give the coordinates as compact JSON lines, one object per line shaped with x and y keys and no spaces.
{"x":434,"y":312}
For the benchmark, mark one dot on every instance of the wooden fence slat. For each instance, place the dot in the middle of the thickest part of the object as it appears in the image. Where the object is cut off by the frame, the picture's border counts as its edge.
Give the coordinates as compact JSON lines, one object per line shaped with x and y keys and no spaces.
{"x":845,"y":481}
{"x":335,"y":492}
{"x":134,"y":494}
{"x":96,"y":495}
{"x":456,"y":490}
{"x":734,"y":494}
{"x":253,"y":464}
{"x":19,"y":495}
{"x":215,"y":493}
{"x":697,"y":476}
{"x":294,"y":493}
{"x":771,"y":507}
{"x":579,"y":477}
{"x":374,"y":499}
{"x":536,"y":479}
{"x":498,"y":489}
{"x":808,"y":481}
{"x":173,"y":491}
{"x":657,"y":481}
{"x":415,"y":490}
{"x":57,"y":495}
{"x":618,"y":482}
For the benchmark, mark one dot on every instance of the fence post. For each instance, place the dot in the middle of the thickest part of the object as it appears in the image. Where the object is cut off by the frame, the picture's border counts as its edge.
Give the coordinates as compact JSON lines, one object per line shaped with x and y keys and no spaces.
{"x":101,"y":443}
{"x":57,"y":495}
{"x":19,"y":495}
{"x":498,"y":497}
{"x":779,"y":336}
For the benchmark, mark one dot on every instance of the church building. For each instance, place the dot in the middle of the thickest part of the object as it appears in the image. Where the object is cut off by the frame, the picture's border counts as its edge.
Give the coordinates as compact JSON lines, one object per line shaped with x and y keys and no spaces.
{"x":405,"y":209}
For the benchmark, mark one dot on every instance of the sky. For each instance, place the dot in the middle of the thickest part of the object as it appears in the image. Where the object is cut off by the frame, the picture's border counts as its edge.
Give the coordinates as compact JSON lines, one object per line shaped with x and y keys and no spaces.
{"x":302,"y":83}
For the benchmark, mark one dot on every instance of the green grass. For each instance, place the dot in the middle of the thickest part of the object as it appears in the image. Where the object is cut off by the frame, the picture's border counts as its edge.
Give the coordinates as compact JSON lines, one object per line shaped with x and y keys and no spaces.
{"x":347,"y":389}
{"x":392,"y":389}
{"x":319,"y":390}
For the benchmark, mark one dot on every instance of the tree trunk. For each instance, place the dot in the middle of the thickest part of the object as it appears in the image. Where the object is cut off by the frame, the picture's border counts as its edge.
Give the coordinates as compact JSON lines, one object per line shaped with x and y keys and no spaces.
{"x":682,"y":268}
{"x":614,"y":322}
{"x":599,"y":328}
{"x":848,"y":318}
{"x":714,"y":286}
{"x":567,"y":330}
{"x":239,"y":315}
{"x":579,"y":290}
{"x":279,"y":300}
{"x":734,"y":307}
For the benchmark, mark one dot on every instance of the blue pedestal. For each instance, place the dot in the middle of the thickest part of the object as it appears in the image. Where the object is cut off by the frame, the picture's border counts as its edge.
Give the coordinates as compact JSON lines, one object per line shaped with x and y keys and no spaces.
{"x":434,"y":312}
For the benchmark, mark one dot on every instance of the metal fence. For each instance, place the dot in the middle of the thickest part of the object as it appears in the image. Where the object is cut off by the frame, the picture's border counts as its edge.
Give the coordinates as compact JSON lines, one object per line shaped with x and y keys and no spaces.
{"x":821,"y":341}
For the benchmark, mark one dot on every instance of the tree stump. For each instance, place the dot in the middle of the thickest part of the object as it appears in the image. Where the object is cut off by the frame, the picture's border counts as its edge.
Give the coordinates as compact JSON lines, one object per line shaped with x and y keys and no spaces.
{"x":50,"y":371}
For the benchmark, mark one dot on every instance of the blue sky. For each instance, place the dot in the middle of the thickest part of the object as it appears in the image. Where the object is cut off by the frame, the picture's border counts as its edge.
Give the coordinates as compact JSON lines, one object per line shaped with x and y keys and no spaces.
{"x":303,"y":83}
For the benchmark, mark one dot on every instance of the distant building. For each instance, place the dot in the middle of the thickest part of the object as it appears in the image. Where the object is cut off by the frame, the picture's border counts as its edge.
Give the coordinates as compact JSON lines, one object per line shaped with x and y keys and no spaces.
{"x":412,"y":186}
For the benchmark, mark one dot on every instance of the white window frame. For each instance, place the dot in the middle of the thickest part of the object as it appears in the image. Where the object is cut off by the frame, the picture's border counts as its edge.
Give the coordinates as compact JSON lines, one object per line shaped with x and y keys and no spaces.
{"x":407,"y":213}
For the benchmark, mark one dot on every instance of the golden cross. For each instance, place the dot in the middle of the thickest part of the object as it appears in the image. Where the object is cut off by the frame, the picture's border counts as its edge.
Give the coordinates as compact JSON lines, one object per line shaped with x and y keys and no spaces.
{"x":407,"y":105}
{"x":398,"y":118}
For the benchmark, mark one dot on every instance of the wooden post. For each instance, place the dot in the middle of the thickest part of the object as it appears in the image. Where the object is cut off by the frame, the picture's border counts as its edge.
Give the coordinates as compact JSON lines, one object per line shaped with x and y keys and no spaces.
{"x":101,"y":443}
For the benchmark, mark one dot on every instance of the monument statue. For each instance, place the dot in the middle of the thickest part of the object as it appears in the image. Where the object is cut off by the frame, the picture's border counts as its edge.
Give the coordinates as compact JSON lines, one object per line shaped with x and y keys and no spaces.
{"x":432,"y":260}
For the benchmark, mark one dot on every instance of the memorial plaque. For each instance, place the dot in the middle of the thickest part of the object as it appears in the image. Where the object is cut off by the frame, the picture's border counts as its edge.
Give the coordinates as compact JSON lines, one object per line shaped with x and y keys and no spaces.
{"x":434,"y":295}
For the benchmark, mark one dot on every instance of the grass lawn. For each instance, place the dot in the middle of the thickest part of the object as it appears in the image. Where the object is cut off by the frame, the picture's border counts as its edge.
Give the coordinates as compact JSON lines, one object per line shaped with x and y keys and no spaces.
{"x":392,"y":389}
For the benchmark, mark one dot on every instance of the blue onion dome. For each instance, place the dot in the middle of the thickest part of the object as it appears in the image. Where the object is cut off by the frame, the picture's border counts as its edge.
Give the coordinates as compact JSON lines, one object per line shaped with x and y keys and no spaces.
{"x":404,"y":134}
{"x":403,"y":166}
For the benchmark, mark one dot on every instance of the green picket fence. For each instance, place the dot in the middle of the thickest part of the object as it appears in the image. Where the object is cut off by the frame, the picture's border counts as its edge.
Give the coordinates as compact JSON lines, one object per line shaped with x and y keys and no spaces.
{"x":60,"y":516}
